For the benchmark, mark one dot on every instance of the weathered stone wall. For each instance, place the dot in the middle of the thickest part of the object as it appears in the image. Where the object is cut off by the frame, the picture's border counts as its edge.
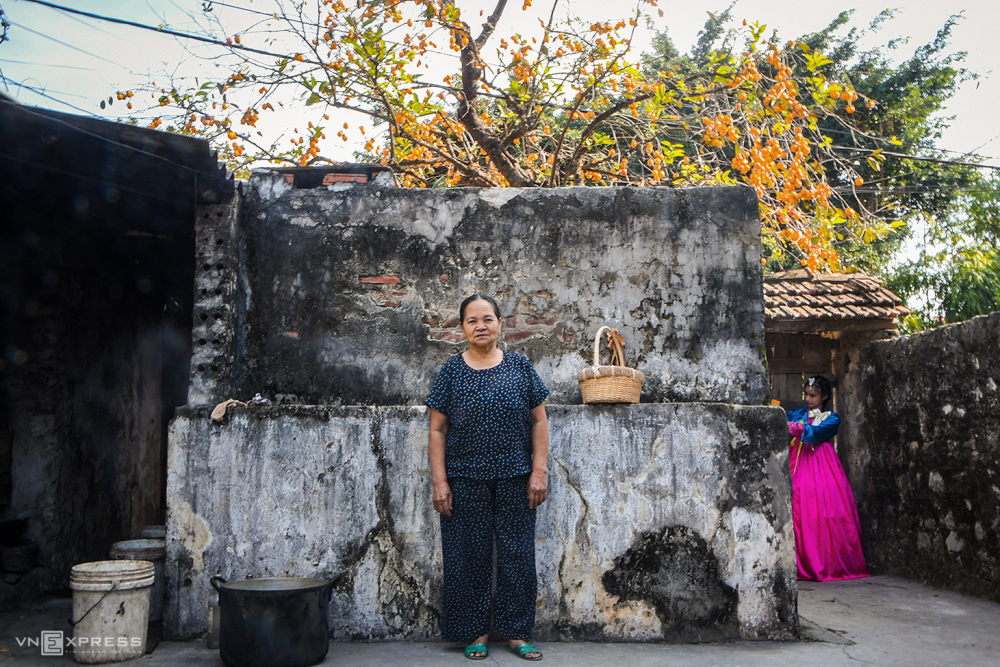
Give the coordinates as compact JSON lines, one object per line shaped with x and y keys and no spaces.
{"x":666,"y":522}
{"x":351,"y":297}
{"x":929,"y":496}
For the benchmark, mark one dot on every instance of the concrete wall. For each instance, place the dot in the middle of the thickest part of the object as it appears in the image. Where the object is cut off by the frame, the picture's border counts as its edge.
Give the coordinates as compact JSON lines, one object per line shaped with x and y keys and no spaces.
{"x":351,"y":297}
{"x":928,"y":483}
{"x":668,"y":522}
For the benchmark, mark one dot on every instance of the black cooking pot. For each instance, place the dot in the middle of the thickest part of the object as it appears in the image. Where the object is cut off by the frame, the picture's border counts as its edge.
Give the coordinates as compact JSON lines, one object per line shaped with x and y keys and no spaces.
{"x":276,"y":622}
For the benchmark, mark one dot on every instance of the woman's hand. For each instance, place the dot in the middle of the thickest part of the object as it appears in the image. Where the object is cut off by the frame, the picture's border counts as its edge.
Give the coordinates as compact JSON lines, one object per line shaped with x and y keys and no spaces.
{"x":442,"y":498}
{"x":435,"y":452}
{"x":538,"y":489}
{"x":795,"y":429}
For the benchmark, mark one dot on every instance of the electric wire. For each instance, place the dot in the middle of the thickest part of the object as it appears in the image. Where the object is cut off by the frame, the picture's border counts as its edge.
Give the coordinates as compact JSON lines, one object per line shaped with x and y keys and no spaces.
{"x":36,"y":91}
{"x":286,"y":56}
{"x":69,"y":46}
{"x":917,"y":158}
{"x":883,"y":140}
{"x":184,"y":35}
{"x":26,"y":62}
{"x":164,"y":31}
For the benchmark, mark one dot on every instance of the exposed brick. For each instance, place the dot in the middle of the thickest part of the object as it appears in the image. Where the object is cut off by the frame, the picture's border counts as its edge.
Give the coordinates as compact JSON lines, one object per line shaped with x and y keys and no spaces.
{"x":453,"y":322}
{"x":291,"y":334}
{"x":444,"y":277}
{"x":431,"y":321}
{"x":547,"y":322}
{"x":330,"y":179}
{"x":510,"y":322}
{"x":514,"y":336}
{"x":398,"y":292}
{"x":391,"y":304}
{"x":380,"y":280}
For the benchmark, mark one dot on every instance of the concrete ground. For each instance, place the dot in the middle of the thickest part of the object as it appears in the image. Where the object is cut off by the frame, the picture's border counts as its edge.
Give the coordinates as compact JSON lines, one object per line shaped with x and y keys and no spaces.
{"x":878,"y":621}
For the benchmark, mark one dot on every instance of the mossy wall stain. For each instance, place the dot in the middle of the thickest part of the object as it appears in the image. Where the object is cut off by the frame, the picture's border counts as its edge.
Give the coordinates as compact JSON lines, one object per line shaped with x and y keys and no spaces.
{"x":676,"y":572}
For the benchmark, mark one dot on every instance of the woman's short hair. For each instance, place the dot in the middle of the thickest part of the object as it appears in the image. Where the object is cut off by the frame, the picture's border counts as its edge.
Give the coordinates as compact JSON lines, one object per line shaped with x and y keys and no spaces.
{"x":824,"y":386}
{"x":477,"y":297}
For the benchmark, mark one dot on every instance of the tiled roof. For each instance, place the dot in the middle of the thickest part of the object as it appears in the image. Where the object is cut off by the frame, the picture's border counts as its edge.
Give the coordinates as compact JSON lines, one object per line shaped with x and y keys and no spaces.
{"x":802,"y":296}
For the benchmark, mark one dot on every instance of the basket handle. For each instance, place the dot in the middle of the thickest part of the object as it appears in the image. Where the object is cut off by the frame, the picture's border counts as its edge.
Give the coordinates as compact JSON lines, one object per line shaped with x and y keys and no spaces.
{"x":616,"y":348}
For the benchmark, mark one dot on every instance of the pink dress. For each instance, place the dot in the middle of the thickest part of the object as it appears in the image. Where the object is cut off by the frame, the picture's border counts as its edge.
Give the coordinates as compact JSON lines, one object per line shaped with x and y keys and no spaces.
{"x":827,"y":530}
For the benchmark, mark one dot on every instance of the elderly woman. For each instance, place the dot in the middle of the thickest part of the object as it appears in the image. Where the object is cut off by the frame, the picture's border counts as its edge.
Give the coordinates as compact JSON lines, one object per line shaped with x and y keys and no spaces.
{"x":825,"y":518}
{"x":488,"y":447}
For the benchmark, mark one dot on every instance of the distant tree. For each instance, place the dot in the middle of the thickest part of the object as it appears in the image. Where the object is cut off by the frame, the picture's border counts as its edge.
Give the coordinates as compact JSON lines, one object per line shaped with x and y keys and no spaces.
{"x":908,"y":121}
{"x":957,"y":273}
{"x":872,"y":174}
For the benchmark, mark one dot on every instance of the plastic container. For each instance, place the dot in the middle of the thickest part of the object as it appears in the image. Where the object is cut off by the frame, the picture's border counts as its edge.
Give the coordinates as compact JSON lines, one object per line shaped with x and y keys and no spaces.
{"x":155,"y":551}
{"x":110,"y":609}
{"x":153,"y":532}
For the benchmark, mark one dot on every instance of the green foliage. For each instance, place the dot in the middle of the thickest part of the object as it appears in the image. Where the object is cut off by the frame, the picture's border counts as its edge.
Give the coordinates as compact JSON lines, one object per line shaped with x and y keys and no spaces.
{"x":957,"y":275}
{"x":907,"y":120}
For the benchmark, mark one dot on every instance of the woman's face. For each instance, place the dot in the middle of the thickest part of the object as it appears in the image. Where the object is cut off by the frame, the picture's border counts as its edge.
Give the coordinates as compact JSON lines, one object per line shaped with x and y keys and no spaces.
{"x":814,"y":399}
{"x":481,"y":326}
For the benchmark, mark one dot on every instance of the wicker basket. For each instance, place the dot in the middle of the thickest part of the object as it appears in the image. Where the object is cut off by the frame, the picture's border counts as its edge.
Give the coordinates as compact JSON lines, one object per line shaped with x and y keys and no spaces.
{"x":609,"y":384}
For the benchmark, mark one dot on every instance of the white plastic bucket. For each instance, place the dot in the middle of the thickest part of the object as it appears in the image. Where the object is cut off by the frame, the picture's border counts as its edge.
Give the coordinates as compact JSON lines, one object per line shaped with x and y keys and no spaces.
{"x":155,"y":551}
{"x":110,"y":609}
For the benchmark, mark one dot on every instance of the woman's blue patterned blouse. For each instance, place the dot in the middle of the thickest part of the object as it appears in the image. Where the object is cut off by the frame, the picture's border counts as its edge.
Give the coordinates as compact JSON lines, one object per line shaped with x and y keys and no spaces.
{"x":489,"y":416}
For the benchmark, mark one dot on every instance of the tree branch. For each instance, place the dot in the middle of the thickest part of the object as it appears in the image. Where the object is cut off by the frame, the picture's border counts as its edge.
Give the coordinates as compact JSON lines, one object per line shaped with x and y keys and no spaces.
{"x":480,"y":132}
{"x":490,"y":25}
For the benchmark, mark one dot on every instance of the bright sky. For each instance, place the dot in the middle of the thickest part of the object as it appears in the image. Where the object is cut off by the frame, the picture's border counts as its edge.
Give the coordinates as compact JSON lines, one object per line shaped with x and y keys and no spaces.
{"x":69,"y":63}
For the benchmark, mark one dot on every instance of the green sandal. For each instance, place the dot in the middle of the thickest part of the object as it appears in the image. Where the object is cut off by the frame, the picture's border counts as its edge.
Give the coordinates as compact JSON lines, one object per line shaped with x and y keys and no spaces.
{"x":476,"y":648}
{"x":522,"y":651}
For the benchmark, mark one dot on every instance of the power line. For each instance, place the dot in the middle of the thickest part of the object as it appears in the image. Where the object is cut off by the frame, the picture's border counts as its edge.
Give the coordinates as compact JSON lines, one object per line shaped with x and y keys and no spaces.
{"x":184,"y":35}
{"x":883,"y":140}
{"x":69,"y":46}
{"x":36,"y":91}
{"x":953,"y":163}
{"x":248,"y":10}
{"x":25,"y":62}
{"x":164,"y":31}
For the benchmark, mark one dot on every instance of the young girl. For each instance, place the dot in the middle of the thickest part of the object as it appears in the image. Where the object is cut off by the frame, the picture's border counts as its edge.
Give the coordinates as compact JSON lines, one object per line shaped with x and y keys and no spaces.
{"x":827,"y":530}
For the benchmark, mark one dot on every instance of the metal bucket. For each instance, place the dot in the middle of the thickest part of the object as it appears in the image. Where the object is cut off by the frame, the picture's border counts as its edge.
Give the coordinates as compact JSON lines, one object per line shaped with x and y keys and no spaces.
{"x":276,"y":622}
{"x":153,"y":532}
